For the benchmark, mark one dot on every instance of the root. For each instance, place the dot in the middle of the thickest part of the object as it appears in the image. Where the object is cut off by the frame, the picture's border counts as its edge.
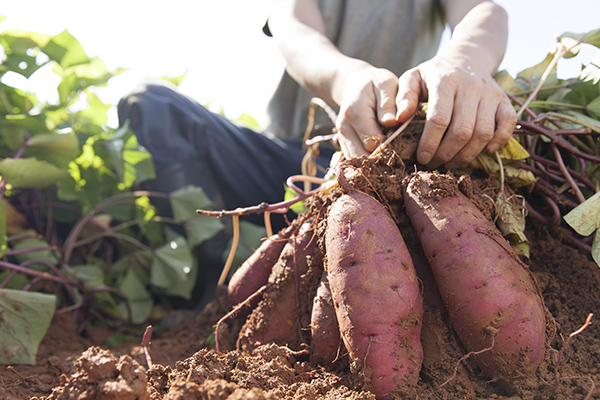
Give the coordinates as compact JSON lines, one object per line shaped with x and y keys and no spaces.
{"x":560,"y":354}
{"x":233,"y":312}
{"x":463,"y":358}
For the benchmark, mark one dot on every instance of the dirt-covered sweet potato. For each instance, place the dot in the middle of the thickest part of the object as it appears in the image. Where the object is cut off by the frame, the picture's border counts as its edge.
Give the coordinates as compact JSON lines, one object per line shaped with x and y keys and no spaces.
{"x":255,"y":271}
{"x":325,"y":331}
{"x":276,"y":317}
{"x":491,"y":297}
{"x":376,"y":294}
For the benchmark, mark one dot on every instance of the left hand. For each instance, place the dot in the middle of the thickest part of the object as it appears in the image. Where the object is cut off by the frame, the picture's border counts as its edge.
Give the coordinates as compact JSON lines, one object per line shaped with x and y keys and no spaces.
{"x":467,"y":111}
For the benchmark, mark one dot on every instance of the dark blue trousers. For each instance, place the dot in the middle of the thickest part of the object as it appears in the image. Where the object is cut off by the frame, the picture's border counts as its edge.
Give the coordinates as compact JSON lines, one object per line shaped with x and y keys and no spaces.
{"x":236,"y":166}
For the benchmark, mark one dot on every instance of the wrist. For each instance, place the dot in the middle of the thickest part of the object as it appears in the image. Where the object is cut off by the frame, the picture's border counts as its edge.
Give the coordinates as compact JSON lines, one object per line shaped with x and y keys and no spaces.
{"x":470,"y":56}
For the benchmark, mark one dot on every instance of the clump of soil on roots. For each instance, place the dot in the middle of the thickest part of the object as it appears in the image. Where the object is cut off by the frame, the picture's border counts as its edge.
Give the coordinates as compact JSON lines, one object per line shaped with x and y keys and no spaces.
{"x":186,"y":365}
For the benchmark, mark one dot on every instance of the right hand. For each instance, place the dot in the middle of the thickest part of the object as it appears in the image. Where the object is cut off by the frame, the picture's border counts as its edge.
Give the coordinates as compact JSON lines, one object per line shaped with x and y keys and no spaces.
{"x":368,"y":103}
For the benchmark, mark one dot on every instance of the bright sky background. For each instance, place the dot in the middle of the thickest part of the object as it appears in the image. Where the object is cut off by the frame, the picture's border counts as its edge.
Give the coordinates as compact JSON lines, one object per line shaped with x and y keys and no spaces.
{"x":229,"y":62}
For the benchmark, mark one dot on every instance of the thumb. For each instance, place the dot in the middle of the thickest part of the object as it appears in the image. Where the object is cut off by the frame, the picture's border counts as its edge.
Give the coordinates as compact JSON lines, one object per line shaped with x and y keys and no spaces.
{"x":409,"y":92}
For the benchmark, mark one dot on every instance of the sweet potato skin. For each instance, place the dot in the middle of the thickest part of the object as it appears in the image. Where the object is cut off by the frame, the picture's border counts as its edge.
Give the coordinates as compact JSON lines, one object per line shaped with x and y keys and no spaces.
{"x":276,"y":317}
{"x":487,"y":291}
{"x":375,"y":293}
{"x":325,"y":331}
{"x":255,"y":271}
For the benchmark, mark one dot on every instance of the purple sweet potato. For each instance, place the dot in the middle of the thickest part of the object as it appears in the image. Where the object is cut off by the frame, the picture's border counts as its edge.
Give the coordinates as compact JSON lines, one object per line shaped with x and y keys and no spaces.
{"x":255,"y":271}
{"x":376,"y":294}
{"x":491,"y":297}
{"x":326,"y":340}
{"x":276,"y":318}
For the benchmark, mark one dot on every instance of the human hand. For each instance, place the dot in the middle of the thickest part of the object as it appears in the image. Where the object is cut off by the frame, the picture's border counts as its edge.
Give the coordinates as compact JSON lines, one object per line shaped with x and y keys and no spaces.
{"x":368,"y":103}
{"x":466,"y":112}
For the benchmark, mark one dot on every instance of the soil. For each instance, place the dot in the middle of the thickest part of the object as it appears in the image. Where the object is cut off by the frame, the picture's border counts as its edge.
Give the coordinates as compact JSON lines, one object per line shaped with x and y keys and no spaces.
{"x":185,"y":364}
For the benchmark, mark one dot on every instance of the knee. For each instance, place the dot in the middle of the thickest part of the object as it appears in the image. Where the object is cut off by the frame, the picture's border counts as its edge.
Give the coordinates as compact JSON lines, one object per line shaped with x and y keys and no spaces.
{"x":144,"y":95}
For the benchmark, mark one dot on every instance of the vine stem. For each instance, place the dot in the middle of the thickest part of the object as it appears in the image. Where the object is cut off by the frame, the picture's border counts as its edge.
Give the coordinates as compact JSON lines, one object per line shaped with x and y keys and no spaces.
{"x":225,"y":271}
{"x":566,"y":174}
{"x":560,"y":52}
{"x":43,"y":275}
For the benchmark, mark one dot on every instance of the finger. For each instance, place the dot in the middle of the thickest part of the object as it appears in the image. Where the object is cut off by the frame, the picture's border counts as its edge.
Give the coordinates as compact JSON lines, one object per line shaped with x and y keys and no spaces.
{"x":467,"y":103}
{"x":350,"y":141}
{"x":385,"y":93}
{"x":439,"y":112}
{"x":409,"y":92}
{"x":360,"y":123}
{"x":482,"y":134}
{"x":506,"y":119}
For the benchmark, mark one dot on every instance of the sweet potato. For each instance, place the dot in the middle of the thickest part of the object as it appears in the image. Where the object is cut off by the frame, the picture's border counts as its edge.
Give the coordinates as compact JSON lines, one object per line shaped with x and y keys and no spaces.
{"x":255,"y":271}
{"x":276,"y":318}
{"x":376,"y":294}
{"x":491,"y":297}
{"x":326,"y":340}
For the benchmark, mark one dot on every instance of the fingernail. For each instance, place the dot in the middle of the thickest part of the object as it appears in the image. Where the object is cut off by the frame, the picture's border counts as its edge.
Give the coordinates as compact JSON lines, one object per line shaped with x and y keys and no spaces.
{"x":492,"y":148}
{"x":424,"y":157}
{"x":403,"y":105}
{"x":388,"y":116}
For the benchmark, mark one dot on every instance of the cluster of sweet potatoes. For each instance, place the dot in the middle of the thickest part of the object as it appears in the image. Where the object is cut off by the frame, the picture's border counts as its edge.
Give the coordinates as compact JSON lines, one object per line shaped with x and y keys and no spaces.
{"x":368,"y":302}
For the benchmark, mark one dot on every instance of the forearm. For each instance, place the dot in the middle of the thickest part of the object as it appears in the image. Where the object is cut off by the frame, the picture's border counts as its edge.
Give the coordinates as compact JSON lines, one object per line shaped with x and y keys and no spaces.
{"x":479,"y":39}
{"x":311,"y":58}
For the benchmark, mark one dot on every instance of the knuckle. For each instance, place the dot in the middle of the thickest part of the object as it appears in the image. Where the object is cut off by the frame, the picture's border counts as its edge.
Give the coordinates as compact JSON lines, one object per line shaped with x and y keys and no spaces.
{"x":485,"y":134}
{"x":439,"y":120}
{"x":463,"y":133}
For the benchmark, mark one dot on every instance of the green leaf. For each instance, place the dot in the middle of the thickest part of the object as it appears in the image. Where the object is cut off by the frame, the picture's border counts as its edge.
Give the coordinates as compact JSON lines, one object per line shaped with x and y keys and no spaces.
{"x":593,"y":108}
{"x":591,"y":37}
{"x":184,"y":288}
{"x":33,"y":123}
{"x":133,"y":163}
{"x":185,"y":202}
{"x":290,"y":194}
{"x":56,"y":148}
{"x":529,"y":78}
{"x":21,"y":49}
{"x":19,"y":102}
{"x":65,"y":50}
{"x":17,"y":282}
{"x":93,"y":275}
{"x":247,"y":121}
{"x":506,"y":82}
{"x":19,"y":41}
{"x":200,"y":228}
{"x":30,"y":173}
{"x":585,"y":218}
{"x":596,"y":248}
{"x":173,"y":264}
{"x":3,"y":246}
{"x":591,"y":73}
{"x":175,"y":80}
{"x":13,"y":136}
{"x":43,"y":255}
{"x":26,"y":317}
{"x":80,"y":77}
{"x":140,"y":300}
